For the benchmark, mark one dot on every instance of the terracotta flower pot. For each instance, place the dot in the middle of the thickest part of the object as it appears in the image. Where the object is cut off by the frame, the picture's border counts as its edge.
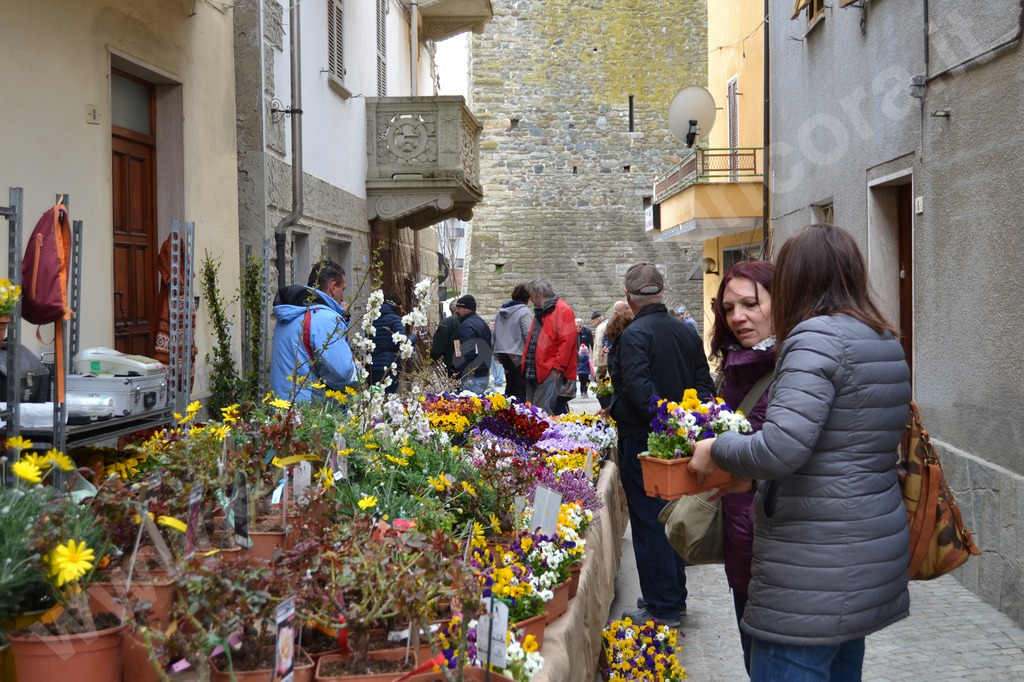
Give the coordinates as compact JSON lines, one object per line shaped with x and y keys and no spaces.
{"x":85,"y":657}
{"x":558,"y":605}
{"x":532,"y":626}
{"x":474,"y":674}
{"x":304,"y":669}
{"x":669,"y":479}
{"x":112,"y":596}
{"x":574,"y":579}
{"x":323,"y":676}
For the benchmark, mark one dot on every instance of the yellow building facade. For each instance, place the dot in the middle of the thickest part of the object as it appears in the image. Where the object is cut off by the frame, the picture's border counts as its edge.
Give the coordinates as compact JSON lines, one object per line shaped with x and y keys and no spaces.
{"x":715,"y":197}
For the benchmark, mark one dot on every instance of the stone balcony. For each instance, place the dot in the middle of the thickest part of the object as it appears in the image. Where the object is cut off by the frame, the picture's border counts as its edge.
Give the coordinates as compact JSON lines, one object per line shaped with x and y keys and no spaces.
{"x":443,"y":19}
{"x":423,"y":160}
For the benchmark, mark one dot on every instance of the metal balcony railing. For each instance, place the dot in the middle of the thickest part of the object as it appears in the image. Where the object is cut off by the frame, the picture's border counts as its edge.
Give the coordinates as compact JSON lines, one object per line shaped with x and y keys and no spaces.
{"x":727,"y":164}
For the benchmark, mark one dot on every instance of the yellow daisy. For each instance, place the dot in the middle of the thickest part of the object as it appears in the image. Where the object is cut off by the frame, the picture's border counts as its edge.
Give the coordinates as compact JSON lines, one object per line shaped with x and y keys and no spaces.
{"x":59,"y":459}
{"x":367,"y":502}
{"x":27,"y":471}
{"x":18,"y":443}
{"x":69,"y":562}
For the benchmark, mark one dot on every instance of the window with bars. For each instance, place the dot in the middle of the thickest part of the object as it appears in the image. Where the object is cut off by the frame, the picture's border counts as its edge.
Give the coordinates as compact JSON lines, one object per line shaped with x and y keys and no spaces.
{"x":336,"y":41}
{"x":733,"y":107}
{"x":382,"y":48}
{"x":733,"y":255}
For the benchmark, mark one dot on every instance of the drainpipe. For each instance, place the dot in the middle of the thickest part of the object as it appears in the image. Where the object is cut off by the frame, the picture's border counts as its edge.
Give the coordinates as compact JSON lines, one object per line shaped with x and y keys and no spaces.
{"x":281,"y":230}
{"x":415,"y":43}
{"x":766,"y":185}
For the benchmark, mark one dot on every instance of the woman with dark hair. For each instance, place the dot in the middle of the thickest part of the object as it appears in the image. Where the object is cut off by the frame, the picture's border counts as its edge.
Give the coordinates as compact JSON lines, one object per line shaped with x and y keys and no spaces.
{"x":743,"y":343}
{"x":830,"y":532}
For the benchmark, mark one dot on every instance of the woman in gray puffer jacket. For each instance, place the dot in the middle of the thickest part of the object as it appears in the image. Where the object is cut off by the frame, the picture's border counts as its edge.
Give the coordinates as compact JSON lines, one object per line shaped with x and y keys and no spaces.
{"x":830,"y":531}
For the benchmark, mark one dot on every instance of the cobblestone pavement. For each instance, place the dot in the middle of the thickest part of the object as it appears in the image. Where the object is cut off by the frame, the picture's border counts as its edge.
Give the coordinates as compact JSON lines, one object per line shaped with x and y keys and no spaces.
{"x":950,"y":635}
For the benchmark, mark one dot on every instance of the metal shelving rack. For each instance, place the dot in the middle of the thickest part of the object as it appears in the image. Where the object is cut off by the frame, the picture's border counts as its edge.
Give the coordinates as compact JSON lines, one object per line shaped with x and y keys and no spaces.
{"x":181,"y":331}
{"x":12,"y":413}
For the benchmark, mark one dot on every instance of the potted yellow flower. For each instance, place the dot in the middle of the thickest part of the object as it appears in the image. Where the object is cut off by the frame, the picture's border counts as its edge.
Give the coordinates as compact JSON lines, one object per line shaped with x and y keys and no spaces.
{"x":675,"y":428}
{"x":67,"y":541}
{"x":10,"y":294}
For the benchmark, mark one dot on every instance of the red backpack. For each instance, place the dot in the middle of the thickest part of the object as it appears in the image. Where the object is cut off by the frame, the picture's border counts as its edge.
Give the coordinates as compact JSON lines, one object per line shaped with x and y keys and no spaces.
{"x":44,"y":269}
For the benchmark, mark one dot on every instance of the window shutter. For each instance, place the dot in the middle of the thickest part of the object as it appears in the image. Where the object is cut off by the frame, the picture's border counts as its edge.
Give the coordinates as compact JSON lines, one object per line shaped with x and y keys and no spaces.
{"x":798,"y":6}
{"x":336,"y":39}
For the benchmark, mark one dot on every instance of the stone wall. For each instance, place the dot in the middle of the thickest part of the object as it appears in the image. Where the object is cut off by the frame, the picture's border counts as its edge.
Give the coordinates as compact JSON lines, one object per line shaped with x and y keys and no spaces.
{"x":565,"y":179}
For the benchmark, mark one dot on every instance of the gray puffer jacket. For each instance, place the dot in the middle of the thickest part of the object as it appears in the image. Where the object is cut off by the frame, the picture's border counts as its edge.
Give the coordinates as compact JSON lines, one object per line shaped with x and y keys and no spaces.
{"x":830,"y":533}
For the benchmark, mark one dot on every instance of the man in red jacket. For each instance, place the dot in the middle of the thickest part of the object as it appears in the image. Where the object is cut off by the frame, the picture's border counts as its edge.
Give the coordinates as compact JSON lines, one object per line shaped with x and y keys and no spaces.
{"x":549,"y":358}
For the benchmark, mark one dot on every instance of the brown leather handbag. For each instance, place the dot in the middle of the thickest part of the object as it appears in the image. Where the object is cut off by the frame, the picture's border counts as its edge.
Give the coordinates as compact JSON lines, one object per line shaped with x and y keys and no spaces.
{"x":939,"y":542}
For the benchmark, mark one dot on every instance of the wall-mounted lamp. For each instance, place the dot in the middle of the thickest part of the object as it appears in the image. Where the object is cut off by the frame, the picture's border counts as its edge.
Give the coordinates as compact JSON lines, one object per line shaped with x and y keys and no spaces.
{"x":918,"y":86}
{"x":709,"y":266}
{"x":691,"y":133}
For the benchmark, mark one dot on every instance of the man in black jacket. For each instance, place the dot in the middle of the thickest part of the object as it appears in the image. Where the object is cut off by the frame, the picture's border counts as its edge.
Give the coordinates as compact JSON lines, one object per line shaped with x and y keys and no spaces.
{"x":473,"y":348}
{"x":656,"y":355}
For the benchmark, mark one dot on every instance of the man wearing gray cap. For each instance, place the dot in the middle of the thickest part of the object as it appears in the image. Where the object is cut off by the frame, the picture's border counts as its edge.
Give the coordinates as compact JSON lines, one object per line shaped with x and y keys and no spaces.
{"x":684,"y":315}
{"x":657,"y":356}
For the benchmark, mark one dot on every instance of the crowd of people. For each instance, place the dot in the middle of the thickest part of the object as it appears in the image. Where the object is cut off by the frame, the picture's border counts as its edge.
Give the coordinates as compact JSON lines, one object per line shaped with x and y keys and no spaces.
{"x":815,"y":529}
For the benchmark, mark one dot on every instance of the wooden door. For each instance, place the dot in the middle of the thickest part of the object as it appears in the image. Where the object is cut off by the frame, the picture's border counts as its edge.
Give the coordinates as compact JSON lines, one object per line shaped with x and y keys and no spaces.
{"x":134,"y":217}
{"x":905,"y":222}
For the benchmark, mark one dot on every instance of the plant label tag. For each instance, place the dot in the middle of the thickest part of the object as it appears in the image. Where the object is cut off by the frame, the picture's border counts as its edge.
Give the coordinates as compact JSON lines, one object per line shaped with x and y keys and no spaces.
{"x":240,"y":511}
{"x":302,"y":475}
{"x":490,"y":633}
{"x":338,"y":462}
{"x":284,"y":651}
{"x":163,"y":552}
{"x":519,"y":502}
{"x":546,"y":505}
{"x":588,"y":465}
{"x":195,"y":498}
{"x":275,"y":497}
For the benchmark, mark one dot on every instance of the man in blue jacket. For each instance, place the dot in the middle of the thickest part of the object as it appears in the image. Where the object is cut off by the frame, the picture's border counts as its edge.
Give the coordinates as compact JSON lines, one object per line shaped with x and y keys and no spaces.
{"x":656,"y":355}
{"x":473,"y":348}
{"x":309,"y":340}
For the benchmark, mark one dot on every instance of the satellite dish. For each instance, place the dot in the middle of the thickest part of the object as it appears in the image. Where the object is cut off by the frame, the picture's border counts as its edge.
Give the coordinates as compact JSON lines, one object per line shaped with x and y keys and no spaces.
{"x":691,"y":115}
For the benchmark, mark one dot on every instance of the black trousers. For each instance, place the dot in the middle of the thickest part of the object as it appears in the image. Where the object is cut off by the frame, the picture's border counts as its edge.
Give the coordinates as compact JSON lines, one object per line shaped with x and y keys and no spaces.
{"x":515,"y":383}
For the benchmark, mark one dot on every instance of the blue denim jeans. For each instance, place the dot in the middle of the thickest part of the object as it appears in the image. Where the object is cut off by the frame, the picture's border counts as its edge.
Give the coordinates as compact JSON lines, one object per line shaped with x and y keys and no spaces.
{"x":774,"y":662}
{"x":661,"y":570}
{"x":474,"y":384}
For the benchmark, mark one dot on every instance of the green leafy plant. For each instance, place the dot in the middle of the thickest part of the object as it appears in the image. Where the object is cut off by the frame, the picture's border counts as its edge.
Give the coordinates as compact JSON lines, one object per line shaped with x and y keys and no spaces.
{"x":253,"y":305}
{"x":223,"y":374}
{"x":23,"y":585}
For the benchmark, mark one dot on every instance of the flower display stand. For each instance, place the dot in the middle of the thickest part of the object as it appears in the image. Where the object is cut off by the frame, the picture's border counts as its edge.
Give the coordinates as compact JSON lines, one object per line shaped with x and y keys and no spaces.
{"x":669,"y":479}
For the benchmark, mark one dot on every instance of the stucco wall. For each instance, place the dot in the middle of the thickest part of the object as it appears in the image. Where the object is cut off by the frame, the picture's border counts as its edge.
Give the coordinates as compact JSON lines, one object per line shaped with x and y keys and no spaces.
{"x":843,"y":118}
{"x":564,"y":178}
{"x":56,"y":62}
